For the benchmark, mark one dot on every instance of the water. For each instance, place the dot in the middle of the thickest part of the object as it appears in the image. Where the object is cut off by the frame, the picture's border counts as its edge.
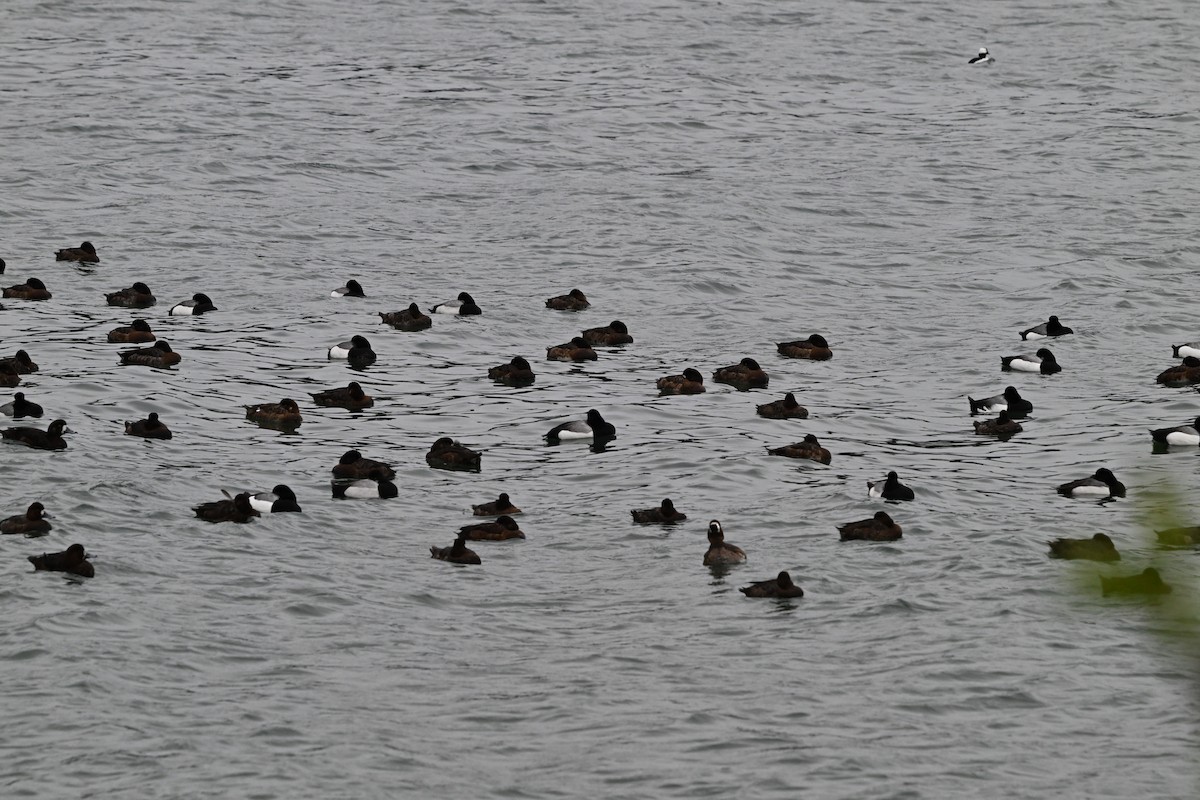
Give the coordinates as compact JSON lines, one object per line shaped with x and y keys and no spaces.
{"x":719,"y":176}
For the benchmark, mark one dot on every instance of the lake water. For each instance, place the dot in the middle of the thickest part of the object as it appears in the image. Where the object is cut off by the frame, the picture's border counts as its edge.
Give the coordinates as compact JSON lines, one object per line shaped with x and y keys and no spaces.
{"x":721,"y":177}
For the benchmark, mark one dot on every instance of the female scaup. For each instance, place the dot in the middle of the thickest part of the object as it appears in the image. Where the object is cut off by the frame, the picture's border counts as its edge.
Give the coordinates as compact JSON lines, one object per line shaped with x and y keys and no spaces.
{"x":136,"y":296}
{"x":1184,"y":374}
{"x":515,"y":373}
{"x":276,"y":501}
{"x":1102,"y":484}
{"x":149,"y":428}
{"x":20,"y":407}
{"x":32,"y":523}
{"x":503,"y":528}
{"x":464,"y":306}
{"x":787,"y":408}
{"x":457,"y":553}
{"x":574,"y":300}
{"x":73,"y":561}
{"x":879,"y":528}
{"x":236,"y":510}
{"x":21,"y":363}
{"x":357,"y":351}
{"x":1046,"y":330}
{"x":1188,"y":536}
{"x":284,"y":415}
{"x":501,"y":505}
{"x":575,"y":350}
{"x":810,"y":448}
{"x":376,"y":486}
{"x":613,"y":334}
{"x":594,"y":427}
{"x":410,"y":319}
{"x":663,"y":513}
{"x":1148,"y":581}
{"x":351,"y":289}
{"x":199,"y":304}
{"x":449,"y":454}
{"x":746,"y":374}
{"x":890,"y":488}
{"x":719,"y":551}
{"x":1185,"y":435}
{"x":160,"y":355}
{"x":352,"y":465}
{"x":1186,"y":349}
{"x":1044,"y":362}
{"x":1003,"y":426}
{"x":351,"y":397}
{"x":779,"y":586}
{"x":8,"y":376}
{"x":690,"y":382}
{"x":814,"y":348}
{"x":983,"y":58}
{"x":49,"y":439}
{"x":136,"y":333}
{"x":32,"y":289}
{"x":1010,"y":400}
{"x":1097,"y":548}
{"x":85,"y":253}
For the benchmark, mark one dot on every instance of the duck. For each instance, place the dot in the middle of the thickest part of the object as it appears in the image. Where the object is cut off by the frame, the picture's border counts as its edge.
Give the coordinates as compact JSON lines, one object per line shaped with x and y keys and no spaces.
{"x":1179,"y":537}
{"x":199,"y":304}
{"x":32,"y":523}
{"x":352,"y":465}
{"x":1003,"y":426}
{"x":810,"y":448}
{"x":375,"y":486}
{"x":592,"y":427}
{"x":1102,"y":484}
{"x":148,"y":428}
{"x":501,"y":505}
{"x":665,"y":512}
{"x":1184,"y":374}
{"x":237,"y":509}
{"x":719,"y":551}
{"x":136,"y":296}
{"x":613,"y":334}
{"x":573,"y":300}
{"x":160,"y":355}
{"x":85,"y":253}
{"x":575,"y":350}
{"x":21,"y":363}
{"x":787,"y":408}
{"x":1148,"y":581}
{"x":284,"y":415}
{"x":351,"y":397}
{"x":1185,"y":435}
{"x":814,"y":348}
{"x":515,"y":373}
{"x":137,"y":332}
{"x":8,"y":376}
{"x":278,"y":500}
{"x":457,"y":553}
{"x":1009,"y":400}
{"x":690,"y":382}
{"x":464,"y":306}
{"x":352,"y":289}
{"x":1186,"y":349}
{"x":32,"y":289}
{"x":357,"y":351}
{"x":1097,"y":548}
{"x":73,"y":560}
{"x":1046,"y":330}
{"x":49,"y":439}
{"x":890,"y":488}
{"x":446,"y":453}
{"x":505,"y":527}
{"x":779,"y":586}
{"x":982,"y":58}
{"x":879,"y":528}
{"x":1043,"y":362}
{"x":746,"y":374}
{"x":410,"y":319}
{"x":20,"y":407}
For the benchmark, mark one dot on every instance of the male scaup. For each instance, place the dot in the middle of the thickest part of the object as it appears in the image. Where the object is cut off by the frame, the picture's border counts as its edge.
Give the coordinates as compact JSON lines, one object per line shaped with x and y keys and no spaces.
{"x":464,"y":306}
{"x":20,"y":407}
{"x":21,"y":363}
{"x":503,"y":528}
{"x":1186,"y":349}
{"x":810,"y":448}
{"x":73,"y":561}
{"x":457,"y":553}
{"x":351,"y":397}
{"x":501,"y":505}
{"x":32,"y":289}
{"x":1044,"y":362}
{"x":160,"y":356}
{"x":410,"y":319}
{"x":136,"y":333}
{"x":1102,"y":484}
{"x":85,"y":253}
{"x":199,"y":304}
{"x":613,"y":334}
{"x":787,"y":408}
{"x":515,"y":373}
{"x":890,"y":488}
{"x":594,"y":427}
{"x":814,"y":348}
{"x":1046,"y":330}
{"x":779,"y":586}
{"x":352,"y":289}
{"x":982,"y":58}
{"x":32,"y":523}
{"x":49,"y":439}
{"x":574,"y":300}
{"x":744,"y":375}
{"x":149,"y":428}
{"x":357,"y":351}
{"x":575,"y":350}
{"x":719,"y":551}
{"x":1003,"y":426}
{"x":284,"y":415}
{"x":376,"y":486}
{"x":236,"y":510}
{"x":1148,"y":581}
{"x":278,"y":500}
{"x":1184,"y":374}
{"x":1009,"y":400}
{"x":446,"y":453}
{"x":352,"y":465}
{"x":879,"y":528}
{"x":136,"y":296}
{"x":663,"y":513}
{"x":1097,"y":548}
{"x":1184,"y":435}
{"x":690,"y":382}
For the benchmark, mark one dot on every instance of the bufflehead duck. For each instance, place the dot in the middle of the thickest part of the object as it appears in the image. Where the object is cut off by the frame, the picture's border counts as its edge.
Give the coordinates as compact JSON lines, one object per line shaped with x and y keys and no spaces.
{"x":1184,"y":374}
{"x":746,"y":374}
{"x":879,"y":528}
{"x":160,"y":355}
{"x":351,"y":289}
{"x":690,"y":382}
{"x":49,"y":439}
{"x":32,"y":523}
{"x":1046,"y":330}
{"x":32,"y":289}
{"x":1003,"y":426}
{"x":663,"y":513}
{"x":787,"y":408}
{"x":410,"y":319}
{"x":503,"y":528}
{"x":574,"y":300}
{"x":515,"y":373}
{"x":20,"y":407}
{"x":136,"y":296}
{"x":810,"y":448}
{"x":890,"y":489}
{"x":1146,"y":582}
{"x":1097,"y":548}
{"x":593,"y":428}
{"x":982,"y":58}
{"x":719,"y":551}
{"x":1010,"y":400}
{"x":149,"y":428}
{"x":236,"y":510}
{"x":575,"y":350}
{"x":457,"y":553}
{"x":357,"y":351}
{"x":351,"y":397}
{"x":1186,"y":435}
{"x":613,"y":334}
{"x":779,"y":586}
{"x":85,"y":253}
{"x":446,"y":453}
{"x":278,"y":500}
{"x":199,"y":304}
{"x":136,"y":333}
{"x":814,"y":348}
{"x":1043,"y":362}
{"x":284,"y":415}
{"x":1101,"y":484}
{"x":501,"y":505}
{"x":464,"y":306}
{"x":73,"y":561}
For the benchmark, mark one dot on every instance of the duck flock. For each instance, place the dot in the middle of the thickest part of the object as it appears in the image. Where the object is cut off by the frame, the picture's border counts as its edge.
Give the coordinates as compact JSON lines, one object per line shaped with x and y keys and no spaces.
{"x":356,"y":476}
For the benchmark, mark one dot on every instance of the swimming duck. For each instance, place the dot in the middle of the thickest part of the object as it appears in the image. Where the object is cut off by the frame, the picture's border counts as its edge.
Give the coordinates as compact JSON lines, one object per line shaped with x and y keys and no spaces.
{"x":375,"y":486}
{"x":505,"y":527}
{"x":613,"y":334}
{"x":32,"y":289}
{"x":1179,"y":537}
{"x":787,"y":408}
{"x":663,"y":513}
{"x":464,"y":306}
{"x":1010,"y":400}
{"x":199,"y":304}
{"x":20,"y":407}
{"x":160,"y":355}
{"x":236,"y":510}
{"x":746,"y":374}
{"x":1184,"y":374}
{"x":574,"y":300}
{"x":814,"y":347}
{"x":719,"y":551}
{"x":73,"y":560}
{"x":351,"y":397}
{"x":353,"y":465}
{"x":352,"y":289}
{"x":457,"y":553}
{"x":32,"y":523}
{"x":410,"y":319}
{"x":49,"y":439}
{"x":879,"y":528}
{"x":278,"y":500}
{"x":501,"y":505}
{"x":357,"y":351}
{"x":575,"y":350}
{"x":593,"y":428}
{"x":1097,"y":548}
{"x":1186,"y":435}
{"x":1003,"y":426}
{"x":149,"y":428}
{"x":85,"y":253}
{"x":284,"y":415}
{"x":1186,"y":349}
{"x":515,"y":373}
{"x":1046,"y":330}
{"x":810,"y":448}
{"x":136,"y":296}
{"x":983,"y":58}
{"x":1043,"y":362}
{"x":8,"y":376}
{"x":136,"y":333}
{"x":690,"y":382}
{"x":1147,"y":582}
{"x":1102,"y":484}
{"x":449,"y":454}
{"x":21,"y":363}
{"x":779,"y":586}
{"x":890,"y":488}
